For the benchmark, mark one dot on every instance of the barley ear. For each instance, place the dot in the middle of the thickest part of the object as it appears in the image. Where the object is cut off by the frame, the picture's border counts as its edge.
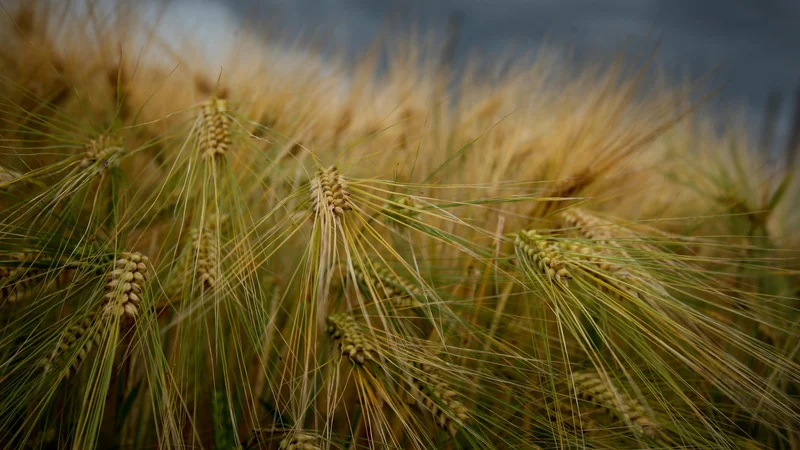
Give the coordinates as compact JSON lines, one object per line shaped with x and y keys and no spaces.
{"x":430,"y":393}
{"x":543,"y":256}
{"x":401,"y":210}
{"x":214,"y":130}
{"x":345,"y":332}
{"x":80,"y":338}
{"x":290,"y":440}
{"x":591,"y":387}
{"x":20,"y":282}
{"x":329,"y":193}
{"x":204,"y":245}
{"x":299,"y":441}
{"x":398,"y":291}
{"x":587,"y":225}
{"x":125,"y":285}
{"x":101,"y":152}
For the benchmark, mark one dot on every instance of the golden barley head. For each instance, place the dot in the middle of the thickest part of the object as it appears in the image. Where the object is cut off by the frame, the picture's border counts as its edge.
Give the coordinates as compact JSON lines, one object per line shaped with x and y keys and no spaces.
{"x":292,"y":440}
{"x":398,"y":291}
{"x":204,"y":244}
{"x":329,"y":192}
{"x":344,"y":330}
{"x":543,"y":255}
{"x":586,"y":224}
{"x":214,"y":130}
{"x":81,"y":338}
{"x":101,"y":151}
{"x":401,"y":209}
{"x":299,"y":441}
{"x":126,"y":284}
{"x":591,"y":387}
{"x":429,"y":392}
{"x":20,"y":281}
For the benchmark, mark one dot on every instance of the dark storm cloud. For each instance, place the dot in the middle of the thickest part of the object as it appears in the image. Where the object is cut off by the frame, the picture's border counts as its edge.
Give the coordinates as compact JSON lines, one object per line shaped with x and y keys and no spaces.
{"x":756,"y":42}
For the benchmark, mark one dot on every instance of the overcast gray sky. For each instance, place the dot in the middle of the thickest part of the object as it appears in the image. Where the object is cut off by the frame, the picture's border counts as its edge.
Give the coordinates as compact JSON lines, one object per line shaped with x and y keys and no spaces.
{"x":756,"y":41}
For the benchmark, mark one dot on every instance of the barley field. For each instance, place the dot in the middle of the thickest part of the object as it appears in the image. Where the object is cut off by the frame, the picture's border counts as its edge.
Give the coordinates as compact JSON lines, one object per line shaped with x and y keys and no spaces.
{"x":286,"y":253}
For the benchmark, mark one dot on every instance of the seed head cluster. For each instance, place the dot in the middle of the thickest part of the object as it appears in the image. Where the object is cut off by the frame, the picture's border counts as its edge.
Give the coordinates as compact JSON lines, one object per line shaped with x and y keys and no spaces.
{"x":85,"y":335}
{"x":402,"y":210}
{"x":587,"y":225}
{"x":344,"y":330}
{"x":19,"y":282}
{"x":204,"y":243}
{"x":598,"y":258}
{"x":544,"y":255}
{"x":430,"y":393}
{"x":292,"y":440}
{"x":100,"y":151}
{"x":299,"y":441}
{"x":214,"y":129}
{"x":609,"y":276}
{"x":124,"y":288}
{"x":329,"y":192}
{"x":590,"y":386}
{"x":398,"y":291}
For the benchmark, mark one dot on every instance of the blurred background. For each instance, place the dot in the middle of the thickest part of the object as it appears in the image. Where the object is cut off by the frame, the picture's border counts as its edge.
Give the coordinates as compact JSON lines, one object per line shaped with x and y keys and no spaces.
{"x":754,"y":44}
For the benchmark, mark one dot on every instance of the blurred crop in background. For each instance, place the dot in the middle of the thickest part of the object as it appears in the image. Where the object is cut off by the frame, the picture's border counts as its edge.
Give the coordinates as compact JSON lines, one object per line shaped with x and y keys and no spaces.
{"x":752,"y":46}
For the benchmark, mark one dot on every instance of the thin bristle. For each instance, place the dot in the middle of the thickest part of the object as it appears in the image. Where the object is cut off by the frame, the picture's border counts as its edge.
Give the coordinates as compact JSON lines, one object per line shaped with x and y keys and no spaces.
{"x":8,"y":177}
